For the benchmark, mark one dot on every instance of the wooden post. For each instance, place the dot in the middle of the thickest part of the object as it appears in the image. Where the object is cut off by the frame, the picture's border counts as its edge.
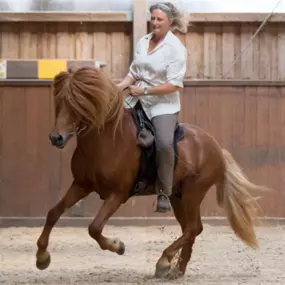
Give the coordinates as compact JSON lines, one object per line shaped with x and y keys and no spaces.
{"x":139,"y":20}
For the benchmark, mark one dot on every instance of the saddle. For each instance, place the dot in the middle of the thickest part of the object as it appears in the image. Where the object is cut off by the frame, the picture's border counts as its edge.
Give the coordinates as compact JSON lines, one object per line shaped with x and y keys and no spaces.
{"x":146,"y":140}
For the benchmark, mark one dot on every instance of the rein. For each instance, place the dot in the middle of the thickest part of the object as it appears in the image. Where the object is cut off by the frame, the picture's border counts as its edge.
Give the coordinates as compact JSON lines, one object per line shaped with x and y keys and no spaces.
{"x":125,"y":99}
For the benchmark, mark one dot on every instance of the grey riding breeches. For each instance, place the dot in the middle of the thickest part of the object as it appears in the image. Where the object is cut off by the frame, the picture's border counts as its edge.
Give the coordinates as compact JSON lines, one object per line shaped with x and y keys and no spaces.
{"x":164,"y":127}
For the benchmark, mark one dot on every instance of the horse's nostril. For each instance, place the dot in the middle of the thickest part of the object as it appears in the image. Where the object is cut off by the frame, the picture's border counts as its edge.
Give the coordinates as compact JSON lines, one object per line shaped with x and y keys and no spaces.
{"x":59,"y":138}
{"x":56,"y":138}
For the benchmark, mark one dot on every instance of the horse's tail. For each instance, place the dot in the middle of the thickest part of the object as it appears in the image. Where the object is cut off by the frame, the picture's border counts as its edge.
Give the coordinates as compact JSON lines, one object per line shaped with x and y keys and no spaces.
{"x":233,"y":194}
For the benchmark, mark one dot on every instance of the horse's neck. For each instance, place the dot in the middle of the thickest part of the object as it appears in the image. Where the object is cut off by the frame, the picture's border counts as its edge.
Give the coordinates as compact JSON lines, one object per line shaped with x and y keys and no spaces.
{"x":98,"y":141}
{"x":101,"y":154}
{"x":88,"y":140}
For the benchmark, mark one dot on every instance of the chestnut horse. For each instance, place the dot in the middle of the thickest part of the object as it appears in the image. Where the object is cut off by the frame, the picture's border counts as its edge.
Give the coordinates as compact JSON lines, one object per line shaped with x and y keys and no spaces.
{"x":106,"y":160}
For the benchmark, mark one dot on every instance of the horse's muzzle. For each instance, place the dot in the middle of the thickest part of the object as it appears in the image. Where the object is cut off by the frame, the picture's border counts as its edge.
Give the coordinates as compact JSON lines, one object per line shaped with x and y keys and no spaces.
{"x":58,"y":140}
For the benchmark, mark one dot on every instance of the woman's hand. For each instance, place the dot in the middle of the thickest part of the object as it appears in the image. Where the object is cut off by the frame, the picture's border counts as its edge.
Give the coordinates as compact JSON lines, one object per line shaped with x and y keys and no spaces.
{"x":136,"y":91}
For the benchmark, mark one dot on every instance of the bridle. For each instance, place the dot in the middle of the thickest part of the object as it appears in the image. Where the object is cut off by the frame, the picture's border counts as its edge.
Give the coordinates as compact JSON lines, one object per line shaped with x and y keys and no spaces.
{"x":77,"y":130}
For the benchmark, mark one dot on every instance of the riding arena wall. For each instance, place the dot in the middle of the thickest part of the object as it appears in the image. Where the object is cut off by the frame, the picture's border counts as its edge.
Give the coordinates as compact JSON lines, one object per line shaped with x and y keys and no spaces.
{"x":233,"y":89}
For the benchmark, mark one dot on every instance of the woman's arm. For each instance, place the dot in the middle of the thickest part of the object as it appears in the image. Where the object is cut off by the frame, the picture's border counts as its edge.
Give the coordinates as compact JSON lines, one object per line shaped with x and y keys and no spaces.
{"x":162,"y":89}
{"x":175,"y":70}
{"x":126,"y":82}
{"x":131,"y":76}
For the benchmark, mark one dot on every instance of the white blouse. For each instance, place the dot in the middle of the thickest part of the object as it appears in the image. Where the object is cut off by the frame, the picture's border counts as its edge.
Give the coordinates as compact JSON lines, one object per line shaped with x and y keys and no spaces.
{"x":165,"y":63}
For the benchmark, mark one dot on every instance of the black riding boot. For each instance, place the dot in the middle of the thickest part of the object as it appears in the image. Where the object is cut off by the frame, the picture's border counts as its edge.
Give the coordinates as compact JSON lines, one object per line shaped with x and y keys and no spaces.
{"x":163,"y":203}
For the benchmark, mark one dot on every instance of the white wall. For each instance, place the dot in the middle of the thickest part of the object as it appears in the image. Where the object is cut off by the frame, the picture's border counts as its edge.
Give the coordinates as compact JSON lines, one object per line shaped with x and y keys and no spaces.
{"x":126,"y":5}
{"x":254,"y":6}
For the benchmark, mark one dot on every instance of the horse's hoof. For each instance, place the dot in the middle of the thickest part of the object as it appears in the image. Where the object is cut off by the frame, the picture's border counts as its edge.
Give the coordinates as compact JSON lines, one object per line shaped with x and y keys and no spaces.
{"x":175,"y":273}
{"x":162,"y":271}
{"x":121,"y":249}
{"x":43,"y":261}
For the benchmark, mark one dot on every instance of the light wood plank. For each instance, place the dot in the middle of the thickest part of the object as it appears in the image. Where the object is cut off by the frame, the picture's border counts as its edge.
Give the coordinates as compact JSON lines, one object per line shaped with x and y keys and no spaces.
{"x":65,"y":17}
{"x":140,"y":20}
{"x":235,"y":17}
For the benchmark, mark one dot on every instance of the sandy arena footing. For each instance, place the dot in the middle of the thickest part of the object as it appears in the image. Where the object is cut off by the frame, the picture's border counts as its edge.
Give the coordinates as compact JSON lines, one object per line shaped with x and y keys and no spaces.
{"x":218,"y":257}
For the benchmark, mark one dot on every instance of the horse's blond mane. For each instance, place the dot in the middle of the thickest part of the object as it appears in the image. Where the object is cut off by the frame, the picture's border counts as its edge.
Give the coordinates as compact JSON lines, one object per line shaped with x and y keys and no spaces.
{"x":90,"y":96}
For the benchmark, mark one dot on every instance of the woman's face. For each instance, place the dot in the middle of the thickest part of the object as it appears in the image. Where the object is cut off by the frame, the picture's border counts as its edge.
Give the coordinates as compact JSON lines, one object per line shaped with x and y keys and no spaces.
{"x":160,"y":23}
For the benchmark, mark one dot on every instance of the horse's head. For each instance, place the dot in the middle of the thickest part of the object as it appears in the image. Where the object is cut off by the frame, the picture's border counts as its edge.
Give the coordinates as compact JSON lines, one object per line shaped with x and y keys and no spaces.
{"x":84,"y":99}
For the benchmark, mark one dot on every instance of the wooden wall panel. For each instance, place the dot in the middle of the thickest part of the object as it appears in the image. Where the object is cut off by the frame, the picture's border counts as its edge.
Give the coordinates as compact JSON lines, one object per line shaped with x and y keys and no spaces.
{"x":30,"y":174}
{"x":248,"y":121}
{"x":212,"y":48}
{"x":108,"y":42}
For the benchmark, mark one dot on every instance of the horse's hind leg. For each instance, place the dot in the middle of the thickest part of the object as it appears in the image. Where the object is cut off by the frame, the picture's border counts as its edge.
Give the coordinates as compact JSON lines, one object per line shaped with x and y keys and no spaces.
{"x":72,"y":196}
{"x":176,"y":204}
{"x":193,"y":195}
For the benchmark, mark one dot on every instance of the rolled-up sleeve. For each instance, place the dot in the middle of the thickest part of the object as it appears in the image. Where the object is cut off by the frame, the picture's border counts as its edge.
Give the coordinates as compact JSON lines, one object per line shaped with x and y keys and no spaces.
{"x":176,"y":68}
{"x":132,"y":72}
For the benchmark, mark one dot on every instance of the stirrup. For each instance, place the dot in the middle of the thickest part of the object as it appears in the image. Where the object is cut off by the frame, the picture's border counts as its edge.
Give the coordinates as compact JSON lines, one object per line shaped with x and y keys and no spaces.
{"x":164,"y":206}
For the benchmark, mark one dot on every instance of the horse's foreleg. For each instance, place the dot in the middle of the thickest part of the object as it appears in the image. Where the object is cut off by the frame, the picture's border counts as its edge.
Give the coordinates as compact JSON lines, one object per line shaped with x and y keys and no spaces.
{"x":109,"y":207}
{"x":72,"y":196}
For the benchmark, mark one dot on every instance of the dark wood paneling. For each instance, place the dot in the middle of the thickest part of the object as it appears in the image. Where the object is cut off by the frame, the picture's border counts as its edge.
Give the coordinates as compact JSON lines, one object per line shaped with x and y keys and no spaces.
{"x":248,"y":121}
{"x":29,"y":166}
